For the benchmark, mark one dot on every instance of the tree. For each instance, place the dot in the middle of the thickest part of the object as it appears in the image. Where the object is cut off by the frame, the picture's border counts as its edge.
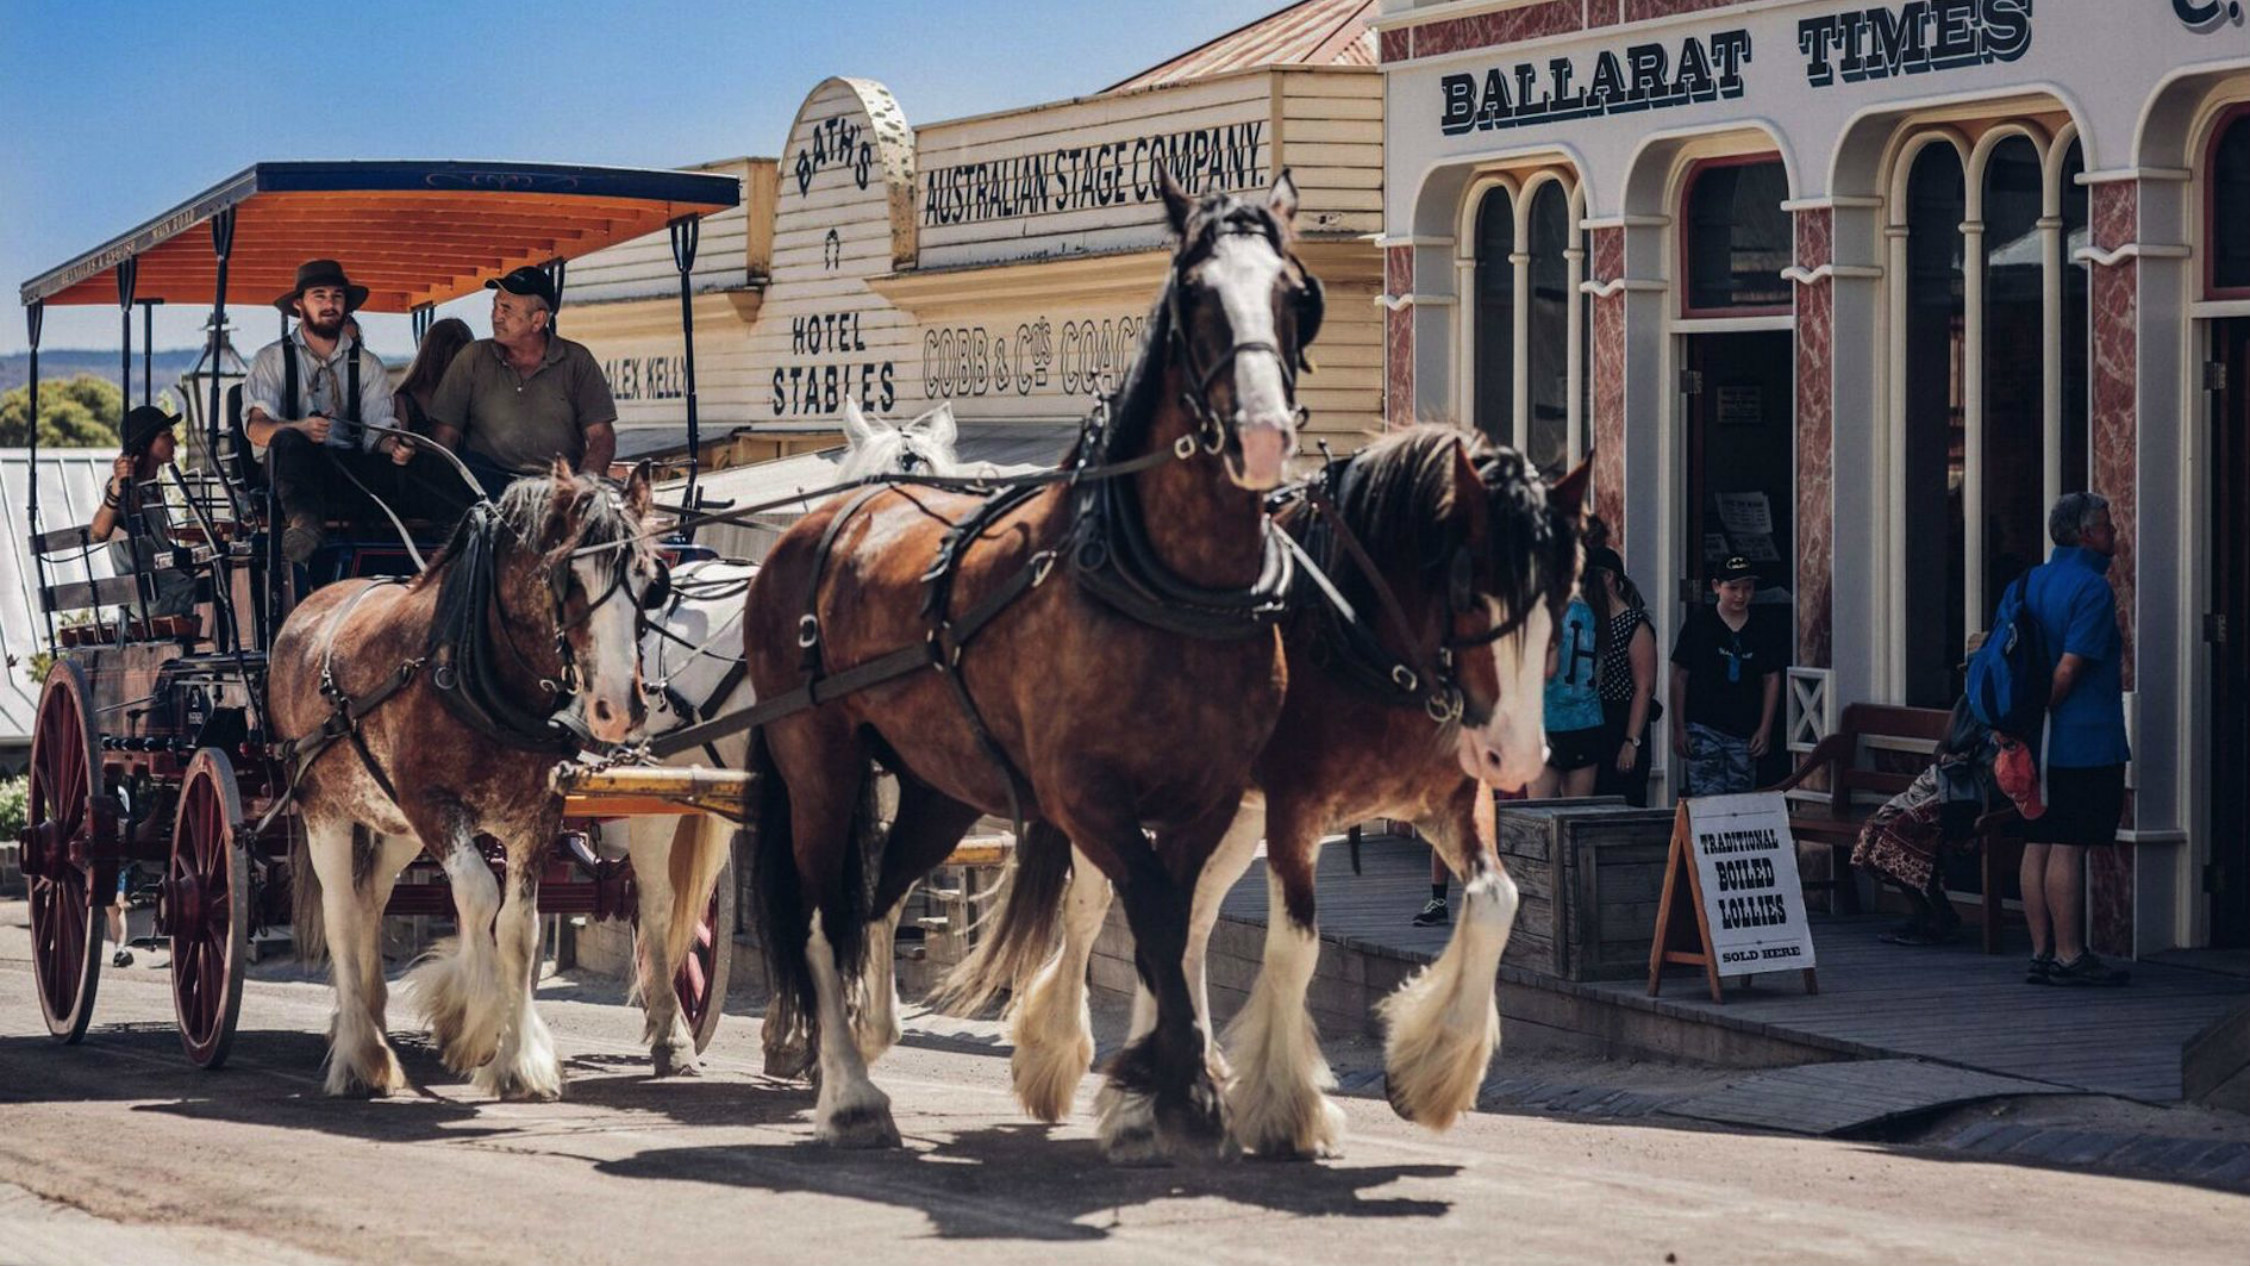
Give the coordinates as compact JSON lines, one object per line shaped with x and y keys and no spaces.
{"x":80,"y":412}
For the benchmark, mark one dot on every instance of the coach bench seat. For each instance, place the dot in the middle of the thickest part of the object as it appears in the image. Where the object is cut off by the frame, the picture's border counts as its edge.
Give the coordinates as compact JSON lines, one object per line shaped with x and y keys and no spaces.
{"x":1860,"y":780}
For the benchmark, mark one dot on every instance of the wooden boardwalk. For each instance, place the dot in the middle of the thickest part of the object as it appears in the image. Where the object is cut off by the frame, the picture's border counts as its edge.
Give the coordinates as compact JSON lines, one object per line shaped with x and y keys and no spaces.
{"x":1950,"y":1004}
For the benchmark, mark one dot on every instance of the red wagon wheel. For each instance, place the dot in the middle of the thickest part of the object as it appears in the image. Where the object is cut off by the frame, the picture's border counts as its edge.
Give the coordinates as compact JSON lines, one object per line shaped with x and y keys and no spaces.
{"x":63,"y":819}
{"x":207,"y":908}
{"x":701,"y":981}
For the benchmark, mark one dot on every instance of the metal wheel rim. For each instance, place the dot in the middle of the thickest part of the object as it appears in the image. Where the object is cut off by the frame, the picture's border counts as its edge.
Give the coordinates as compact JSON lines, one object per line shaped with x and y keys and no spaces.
{"x":701,"y":982}
{"x":211,"y":940}
{"x":65,"y":932}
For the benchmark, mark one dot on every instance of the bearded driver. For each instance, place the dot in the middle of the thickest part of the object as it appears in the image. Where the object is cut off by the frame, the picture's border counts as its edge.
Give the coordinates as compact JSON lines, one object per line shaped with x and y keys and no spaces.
{"x":511,"y":404}
{"x":308,"y":405}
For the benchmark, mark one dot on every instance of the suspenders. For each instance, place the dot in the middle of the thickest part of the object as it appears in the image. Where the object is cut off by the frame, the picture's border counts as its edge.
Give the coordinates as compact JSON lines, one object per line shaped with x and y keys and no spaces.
{"x":289,"y":386}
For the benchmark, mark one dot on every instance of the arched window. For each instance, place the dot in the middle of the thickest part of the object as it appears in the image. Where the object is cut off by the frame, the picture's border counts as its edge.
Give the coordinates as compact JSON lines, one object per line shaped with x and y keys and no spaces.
{"x":2012,"y":460}
{"x":1930,"y":509}
{"x":1529,"y":331}
{"x":1546,"y":437}
{"x":1494,"y":372}
{"x":1995,"y":344}
{"x":2230,"y":209}
{"x":1738,"y":239}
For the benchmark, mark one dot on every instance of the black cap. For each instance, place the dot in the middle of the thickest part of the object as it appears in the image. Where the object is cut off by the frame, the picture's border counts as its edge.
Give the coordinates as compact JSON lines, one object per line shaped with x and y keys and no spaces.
{"x":141,"y":426}
{"x":1603,"y":558}
{"x":1737,"y":567}
{"x":529,"y":280}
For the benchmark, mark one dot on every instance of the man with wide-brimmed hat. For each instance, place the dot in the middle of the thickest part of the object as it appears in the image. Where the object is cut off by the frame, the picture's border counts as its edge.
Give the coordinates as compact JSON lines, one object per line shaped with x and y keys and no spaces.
{"x":513,"y":403}
{"x":307,"y":405}
{"x":131,"y":518}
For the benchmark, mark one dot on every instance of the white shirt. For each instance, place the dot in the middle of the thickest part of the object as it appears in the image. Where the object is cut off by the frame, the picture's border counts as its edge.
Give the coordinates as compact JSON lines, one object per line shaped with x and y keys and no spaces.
{"x":320,"y":388}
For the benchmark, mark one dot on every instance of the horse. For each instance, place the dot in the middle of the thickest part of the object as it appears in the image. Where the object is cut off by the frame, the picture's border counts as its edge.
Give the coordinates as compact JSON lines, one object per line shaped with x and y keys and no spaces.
{"x":691,"y":655}
{"x":397,"y":709}
{"x":1399,"y":713}
{"x":1100,"y":653}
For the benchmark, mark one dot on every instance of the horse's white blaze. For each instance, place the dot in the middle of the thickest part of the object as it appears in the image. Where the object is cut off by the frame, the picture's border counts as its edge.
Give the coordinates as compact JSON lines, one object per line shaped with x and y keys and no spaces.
{"x":1275,"y":1098}
{"x":1443,"y":1025}
{"x":1243,"y":273}
{"x":1051,"y":1027}
{"x":1512,"y":748}
{"x":613,"y":673}
{"x":850,"y":1110}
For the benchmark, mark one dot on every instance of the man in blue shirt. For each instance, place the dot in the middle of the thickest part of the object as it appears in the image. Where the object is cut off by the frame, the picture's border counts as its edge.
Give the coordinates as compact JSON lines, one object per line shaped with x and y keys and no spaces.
{"x":2086,"y":751}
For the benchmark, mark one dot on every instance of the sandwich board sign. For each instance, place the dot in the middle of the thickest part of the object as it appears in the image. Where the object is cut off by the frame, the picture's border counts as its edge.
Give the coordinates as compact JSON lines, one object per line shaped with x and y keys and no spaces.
{"x":1734,"y":863}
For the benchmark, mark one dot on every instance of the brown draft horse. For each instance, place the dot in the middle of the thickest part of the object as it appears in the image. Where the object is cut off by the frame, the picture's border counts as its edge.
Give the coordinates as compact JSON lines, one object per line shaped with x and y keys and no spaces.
{"x":458,"y":673}
{"x":1115,"y":726}
{"x":1475,"y":549}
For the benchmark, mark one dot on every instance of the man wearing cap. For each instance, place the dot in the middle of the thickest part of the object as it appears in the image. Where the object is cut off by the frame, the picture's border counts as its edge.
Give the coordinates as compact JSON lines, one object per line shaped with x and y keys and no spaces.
{"x":307,"y":405}
{"x":512,"y":403}
{"x":136,"y":528}
{"x":1726,"y":686}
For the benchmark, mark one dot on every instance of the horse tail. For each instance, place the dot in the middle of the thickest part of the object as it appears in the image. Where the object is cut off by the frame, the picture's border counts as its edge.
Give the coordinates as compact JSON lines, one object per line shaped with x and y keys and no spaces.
{"x":309,"y":926}
{"x":694,"y":872}
{"x":784,"y":925}
{"x":1018,"y":935}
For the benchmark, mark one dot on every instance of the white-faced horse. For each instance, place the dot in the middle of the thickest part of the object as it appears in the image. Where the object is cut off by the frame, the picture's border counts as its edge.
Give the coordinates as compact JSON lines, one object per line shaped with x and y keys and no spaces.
{"x":692,"y":659}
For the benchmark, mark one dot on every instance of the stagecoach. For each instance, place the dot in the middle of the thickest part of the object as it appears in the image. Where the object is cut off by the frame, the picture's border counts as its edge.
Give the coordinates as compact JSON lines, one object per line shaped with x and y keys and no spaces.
{"x":151,"y":744}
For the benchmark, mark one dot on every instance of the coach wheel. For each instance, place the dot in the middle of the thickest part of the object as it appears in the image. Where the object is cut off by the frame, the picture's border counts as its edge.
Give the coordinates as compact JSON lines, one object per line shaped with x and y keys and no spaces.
{"x":207,"y":909}
{"x":701,"y":982}
{"x":64,"y":820}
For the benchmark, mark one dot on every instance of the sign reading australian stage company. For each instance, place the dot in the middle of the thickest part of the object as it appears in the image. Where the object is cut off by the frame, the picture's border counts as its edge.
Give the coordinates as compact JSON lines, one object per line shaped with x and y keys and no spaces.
{"x":1092,"y":176}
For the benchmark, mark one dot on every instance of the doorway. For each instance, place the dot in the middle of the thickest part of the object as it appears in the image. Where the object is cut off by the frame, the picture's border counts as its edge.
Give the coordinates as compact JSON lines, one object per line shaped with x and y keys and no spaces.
{"x":2227,"y":632}
{"x":1740,"y":402}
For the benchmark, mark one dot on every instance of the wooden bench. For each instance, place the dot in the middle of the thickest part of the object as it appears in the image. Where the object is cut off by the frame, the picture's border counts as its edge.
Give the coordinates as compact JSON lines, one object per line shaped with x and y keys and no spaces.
{"x":1857,"y":786}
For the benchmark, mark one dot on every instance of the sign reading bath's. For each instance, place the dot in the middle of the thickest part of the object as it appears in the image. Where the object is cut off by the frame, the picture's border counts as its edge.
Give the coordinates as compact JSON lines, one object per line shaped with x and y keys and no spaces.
{"x":1752,"y":897}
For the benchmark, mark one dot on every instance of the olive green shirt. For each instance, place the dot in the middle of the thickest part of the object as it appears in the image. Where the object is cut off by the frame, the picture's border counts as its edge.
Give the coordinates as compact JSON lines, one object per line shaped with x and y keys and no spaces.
{"x":522,"y":423}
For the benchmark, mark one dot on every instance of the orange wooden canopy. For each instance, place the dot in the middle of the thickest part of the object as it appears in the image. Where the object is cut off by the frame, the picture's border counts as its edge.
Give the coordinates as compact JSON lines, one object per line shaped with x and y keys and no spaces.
{"x":413,"y":233}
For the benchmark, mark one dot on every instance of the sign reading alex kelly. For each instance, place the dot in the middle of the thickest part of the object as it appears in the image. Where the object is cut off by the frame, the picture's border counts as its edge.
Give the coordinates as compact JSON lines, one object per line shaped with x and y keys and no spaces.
{"x":1752,"y":898}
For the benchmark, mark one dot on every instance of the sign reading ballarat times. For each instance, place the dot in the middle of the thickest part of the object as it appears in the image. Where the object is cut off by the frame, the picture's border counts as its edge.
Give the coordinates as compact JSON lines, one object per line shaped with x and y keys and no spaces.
{"x":1752,"y":897}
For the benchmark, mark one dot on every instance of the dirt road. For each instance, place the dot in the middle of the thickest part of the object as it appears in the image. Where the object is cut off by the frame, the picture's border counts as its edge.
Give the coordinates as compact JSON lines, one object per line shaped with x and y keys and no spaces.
{"x":117,"y":1150}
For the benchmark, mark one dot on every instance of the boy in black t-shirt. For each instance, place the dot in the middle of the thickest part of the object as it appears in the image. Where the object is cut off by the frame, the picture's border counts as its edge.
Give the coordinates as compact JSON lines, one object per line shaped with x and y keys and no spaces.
{"x":1726,"y":687}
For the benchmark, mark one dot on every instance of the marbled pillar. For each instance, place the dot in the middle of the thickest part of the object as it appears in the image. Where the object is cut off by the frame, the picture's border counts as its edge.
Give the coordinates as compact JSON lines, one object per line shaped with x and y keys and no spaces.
{"x":1816,"y":442}
{"x":1606,"y":266}
{"x":1398,"y":337}
{"x":2116,"y":473}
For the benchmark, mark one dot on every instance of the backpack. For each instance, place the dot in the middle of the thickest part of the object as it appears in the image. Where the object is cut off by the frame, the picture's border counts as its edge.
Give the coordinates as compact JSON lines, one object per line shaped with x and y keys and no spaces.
{"x":2011,"y":675}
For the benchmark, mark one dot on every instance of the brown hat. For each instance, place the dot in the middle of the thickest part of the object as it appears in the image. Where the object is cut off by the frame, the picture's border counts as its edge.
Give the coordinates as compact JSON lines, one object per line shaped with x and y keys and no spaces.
{"x":323,"y":272}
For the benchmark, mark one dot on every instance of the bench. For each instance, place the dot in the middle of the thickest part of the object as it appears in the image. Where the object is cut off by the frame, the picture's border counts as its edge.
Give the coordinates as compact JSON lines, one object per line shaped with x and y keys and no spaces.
{"x":1857,"y":786}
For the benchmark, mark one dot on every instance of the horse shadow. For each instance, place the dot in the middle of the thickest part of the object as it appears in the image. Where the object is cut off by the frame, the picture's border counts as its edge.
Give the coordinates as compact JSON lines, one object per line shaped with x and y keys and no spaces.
{"x":1018,"y":1181}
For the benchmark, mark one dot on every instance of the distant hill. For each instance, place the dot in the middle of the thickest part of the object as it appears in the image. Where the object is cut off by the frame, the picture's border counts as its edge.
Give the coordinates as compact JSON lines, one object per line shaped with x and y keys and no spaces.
{"x":67,"y":362}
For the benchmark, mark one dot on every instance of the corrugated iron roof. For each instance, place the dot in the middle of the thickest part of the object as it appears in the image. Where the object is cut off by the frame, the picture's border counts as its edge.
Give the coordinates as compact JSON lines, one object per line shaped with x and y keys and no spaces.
{"x":70,"y":489}
{"x":1309,"y":33}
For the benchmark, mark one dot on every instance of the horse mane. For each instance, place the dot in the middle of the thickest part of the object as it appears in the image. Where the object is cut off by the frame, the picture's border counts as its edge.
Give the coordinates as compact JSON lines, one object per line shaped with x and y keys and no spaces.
{"x":1134,"y":405}
{"x":1397,"y":494}
{"x":524,"y":507}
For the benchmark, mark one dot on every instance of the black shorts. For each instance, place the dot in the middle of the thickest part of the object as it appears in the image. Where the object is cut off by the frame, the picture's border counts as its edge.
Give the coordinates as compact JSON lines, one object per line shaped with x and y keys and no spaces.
{"x":1577,"y":749}
{"x":2083,"y":807}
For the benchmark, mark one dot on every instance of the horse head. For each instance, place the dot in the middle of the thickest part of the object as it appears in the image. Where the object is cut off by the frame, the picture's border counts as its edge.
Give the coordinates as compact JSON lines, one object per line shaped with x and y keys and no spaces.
{"x":1508,"y":589}
{"x":589,"y":573}
{"x":1241,"y":310}
{"x":921,"y":446}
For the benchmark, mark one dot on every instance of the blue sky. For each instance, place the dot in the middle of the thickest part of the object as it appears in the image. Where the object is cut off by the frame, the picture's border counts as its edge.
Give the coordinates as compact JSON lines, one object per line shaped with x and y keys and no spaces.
{"x":111,"y":112}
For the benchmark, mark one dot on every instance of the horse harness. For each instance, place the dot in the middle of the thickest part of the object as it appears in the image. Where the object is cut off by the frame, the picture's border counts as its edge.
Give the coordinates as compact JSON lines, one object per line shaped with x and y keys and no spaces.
{"x":1427,"y":679}
{"x":461,"y":661}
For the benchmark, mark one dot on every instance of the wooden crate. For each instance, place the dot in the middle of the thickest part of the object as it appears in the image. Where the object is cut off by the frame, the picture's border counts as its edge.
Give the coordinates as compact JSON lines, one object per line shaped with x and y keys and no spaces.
{"x":1588,"y":874}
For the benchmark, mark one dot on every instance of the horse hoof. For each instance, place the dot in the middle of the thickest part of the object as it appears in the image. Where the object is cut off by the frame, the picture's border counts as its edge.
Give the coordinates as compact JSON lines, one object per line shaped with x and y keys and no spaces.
{"x":671,"y":1062}
{"x":1397,"y":1097}
{"x":865,"y":1126}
